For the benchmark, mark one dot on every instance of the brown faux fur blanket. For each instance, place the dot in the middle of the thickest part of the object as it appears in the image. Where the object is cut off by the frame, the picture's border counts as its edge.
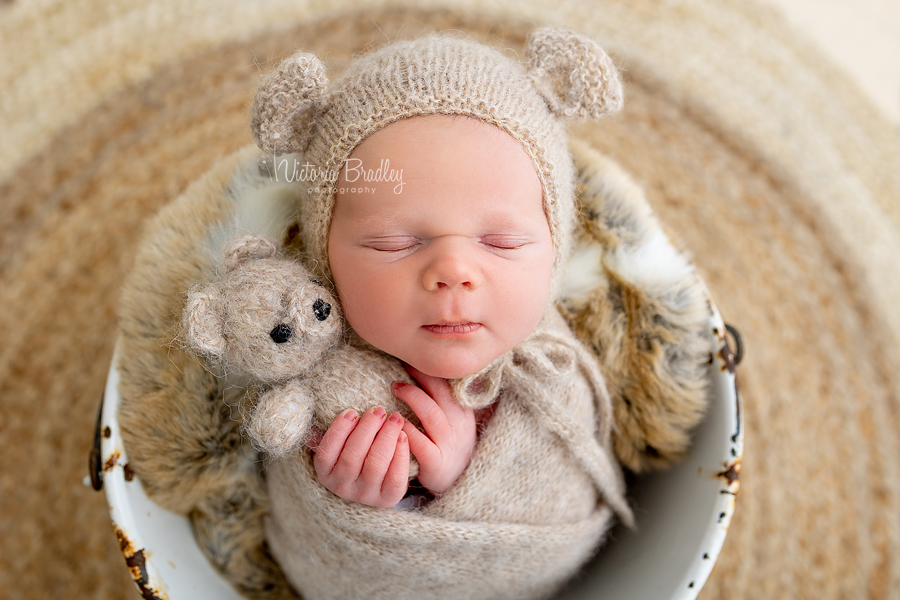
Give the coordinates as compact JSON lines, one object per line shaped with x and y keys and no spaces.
{"x":180,"y":415}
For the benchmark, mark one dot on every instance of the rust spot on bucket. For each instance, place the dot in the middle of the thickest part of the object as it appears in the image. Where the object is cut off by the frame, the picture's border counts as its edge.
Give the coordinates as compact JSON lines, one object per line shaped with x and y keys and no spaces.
{"x":137,"y":565}
{"x":111,"y":462}
{"x":128,"y":472}
{"x":732,"y":473}
{"x":107,"y":432}
{"x":124,"y":543}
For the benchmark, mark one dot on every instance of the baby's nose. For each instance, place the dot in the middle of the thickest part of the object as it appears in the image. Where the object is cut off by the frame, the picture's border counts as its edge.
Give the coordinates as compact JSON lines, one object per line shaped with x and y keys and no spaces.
{"x":452,"y":266}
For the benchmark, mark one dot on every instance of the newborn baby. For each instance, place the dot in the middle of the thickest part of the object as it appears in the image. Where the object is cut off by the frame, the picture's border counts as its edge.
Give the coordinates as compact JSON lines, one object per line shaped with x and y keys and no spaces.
{"x":443,"y":217}
{"x":447,"y":275}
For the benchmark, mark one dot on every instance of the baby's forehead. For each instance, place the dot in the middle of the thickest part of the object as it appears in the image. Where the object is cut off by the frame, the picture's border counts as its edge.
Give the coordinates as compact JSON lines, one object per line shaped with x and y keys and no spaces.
{"x":500,"y":218}
{"x":426,"y":209}
{"x":433,"y":163}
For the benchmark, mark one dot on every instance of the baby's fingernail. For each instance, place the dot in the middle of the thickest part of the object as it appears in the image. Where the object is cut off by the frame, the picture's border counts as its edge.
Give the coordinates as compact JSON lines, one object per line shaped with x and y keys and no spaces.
{"x":395,"y":418}
{"x":402,"y":437}
{"x":398,"y":384}
{"x":350,"y":414}
{"x":378,"y":411}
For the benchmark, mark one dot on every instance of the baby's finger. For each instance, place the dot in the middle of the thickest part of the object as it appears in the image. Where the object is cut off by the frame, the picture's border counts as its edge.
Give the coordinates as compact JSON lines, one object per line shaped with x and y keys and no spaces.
{"x":425,"y":451}
{"x":396,"y":480}
{"x":357,"y":445}
{"x":378,"y":460}
{"x":314,"y":438}
{"x":437,"y":388}
{"x":433,"y":419}
{"x":328,"y":450}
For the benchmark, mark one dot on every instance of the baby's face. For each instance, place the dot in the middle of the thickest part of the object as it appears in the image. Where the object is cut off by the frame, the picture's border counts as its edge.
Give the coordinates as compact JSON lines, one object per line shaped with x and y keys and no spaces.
{"x":454,"y":270}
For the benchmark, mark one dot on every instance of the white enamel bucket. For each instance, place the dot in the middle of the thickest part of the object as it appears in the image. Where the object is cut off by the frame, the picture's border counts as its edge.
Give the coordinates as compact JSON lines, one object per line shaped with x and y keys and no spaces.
{"x":682,"y":514}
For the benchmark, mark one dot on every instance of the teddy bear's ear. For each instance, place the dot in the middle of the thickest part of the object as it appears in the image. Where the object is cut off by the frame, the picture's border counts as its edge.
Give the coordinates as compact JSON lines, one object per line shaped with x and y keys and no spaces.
{"x":573,"y":73}
{"x":203,"y":321}
{"x":282,"y":116}
{"x":248,"y":247}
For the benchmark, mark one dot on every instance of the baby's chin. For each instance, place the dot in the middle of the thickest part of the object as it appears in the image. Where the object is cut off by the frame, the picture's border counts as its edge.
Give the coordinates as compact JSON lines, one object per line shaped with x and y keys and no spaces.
{"x":453,"y":368}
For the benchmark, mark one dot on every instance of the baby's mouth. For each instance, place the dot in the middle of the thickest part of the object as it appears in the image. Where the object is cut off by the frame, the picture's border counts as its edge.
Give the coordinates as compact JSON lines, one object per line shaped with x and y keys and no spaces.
{"x":447,"y":328}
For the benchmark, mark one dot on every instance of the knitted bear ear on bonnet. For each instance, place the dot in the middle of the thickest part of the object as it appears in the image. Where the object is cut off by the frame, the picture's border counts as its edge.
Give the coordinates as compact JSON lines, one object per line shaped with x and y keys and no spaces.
{"x":287,"y":102}
{"x":571,"y":71}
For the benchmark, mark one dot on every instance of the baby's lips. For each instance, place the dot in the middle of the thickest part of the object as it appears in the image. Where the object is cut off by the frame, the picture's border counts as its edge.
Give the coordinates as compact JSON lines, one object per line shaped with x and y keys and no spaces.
{"x":458,"y":327}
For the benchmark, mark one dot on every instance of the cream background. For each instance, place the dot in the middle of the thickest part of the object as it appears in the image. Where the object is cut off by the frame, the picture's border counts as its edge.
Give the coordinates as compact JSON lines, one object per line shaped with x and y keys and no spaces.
{"x":862,"y":36}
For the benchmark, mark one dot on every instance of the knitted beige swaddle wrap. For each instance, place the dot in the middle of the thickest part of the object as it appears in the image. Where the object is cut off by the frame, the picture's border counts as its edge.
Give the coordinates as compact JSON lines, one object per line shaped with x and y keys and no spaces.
{"x":529,"y":510}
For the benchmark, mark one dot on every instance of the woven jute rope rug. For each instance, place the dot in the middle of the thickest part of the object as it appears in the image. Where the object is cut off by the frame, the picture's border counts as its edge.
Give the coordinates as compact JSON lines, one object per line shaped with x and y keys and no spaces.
{"x":762,"y":160}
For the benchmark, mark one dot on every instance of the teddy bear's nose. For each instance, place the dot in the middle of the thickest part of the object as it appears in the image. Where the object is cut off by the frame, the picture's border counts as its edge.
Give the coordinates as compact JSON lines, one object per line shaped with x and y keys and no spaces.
{"x":281,"y":333}
{"x":321,"y":309}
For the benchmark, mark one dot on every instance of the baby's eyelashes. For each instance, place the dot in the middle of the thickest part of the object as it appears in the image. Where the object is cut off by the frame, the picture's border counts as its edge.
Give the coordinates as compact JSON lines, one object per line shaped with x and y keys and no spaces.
{"x":406,"y":243}
{"x":504,"y":242}
{"x":393,"y":244}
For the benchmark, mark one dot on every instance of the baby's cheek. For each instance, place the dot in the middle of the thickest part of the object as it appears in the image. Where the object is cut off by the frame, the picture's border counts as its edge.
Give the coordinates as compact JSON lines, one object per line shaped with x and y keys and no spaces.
{"x":371,"y":309}
{"x":524,"y":301}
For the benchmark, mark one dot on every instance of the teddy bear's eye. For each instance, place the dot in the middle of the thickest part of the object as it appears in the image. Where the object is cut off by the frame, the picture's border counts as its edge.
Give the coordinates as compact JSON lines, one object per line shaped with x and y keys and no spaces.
{"x":281,"y":333}
{"x":321,"y":309}
{"x":317,"y":282}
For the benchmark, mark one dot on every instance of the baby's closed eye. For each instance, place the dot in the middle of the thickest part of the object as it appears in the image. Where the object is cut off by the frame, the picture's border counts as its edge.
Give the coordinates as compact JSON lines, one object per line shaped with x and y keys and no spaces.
{"x":392,"y":244}
{"x":504,"y":241}
{"x":397,"y":244}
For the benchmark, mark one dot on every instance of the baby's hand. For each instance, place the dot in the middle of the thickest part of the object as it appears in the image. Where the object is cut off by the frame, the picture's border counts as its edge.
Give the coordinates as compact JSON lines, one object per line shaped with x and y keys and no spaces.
{"x":445,"y":452}
{"x":364,"y":459}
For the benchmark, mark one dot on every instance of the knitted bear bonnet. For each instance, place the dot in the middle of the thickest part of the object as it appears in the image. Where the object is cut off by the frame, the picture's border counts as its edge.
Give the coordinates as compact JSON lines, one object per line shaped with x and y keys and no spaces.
{"x":566,"y":76}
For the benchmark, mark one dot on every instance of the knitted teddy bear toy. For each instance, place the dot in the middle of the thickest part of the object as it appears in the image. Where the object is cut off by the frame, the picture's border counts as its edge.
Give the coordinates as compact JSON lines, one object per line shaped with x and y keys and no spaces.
{"x":271,"y":320}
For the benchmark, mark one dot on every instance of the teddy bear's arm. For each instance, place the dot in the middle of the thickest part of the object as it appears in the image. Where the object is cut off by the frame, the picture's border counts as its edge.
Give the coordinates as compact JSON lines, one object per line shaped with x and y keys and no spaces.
{"x":281,"y":420}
